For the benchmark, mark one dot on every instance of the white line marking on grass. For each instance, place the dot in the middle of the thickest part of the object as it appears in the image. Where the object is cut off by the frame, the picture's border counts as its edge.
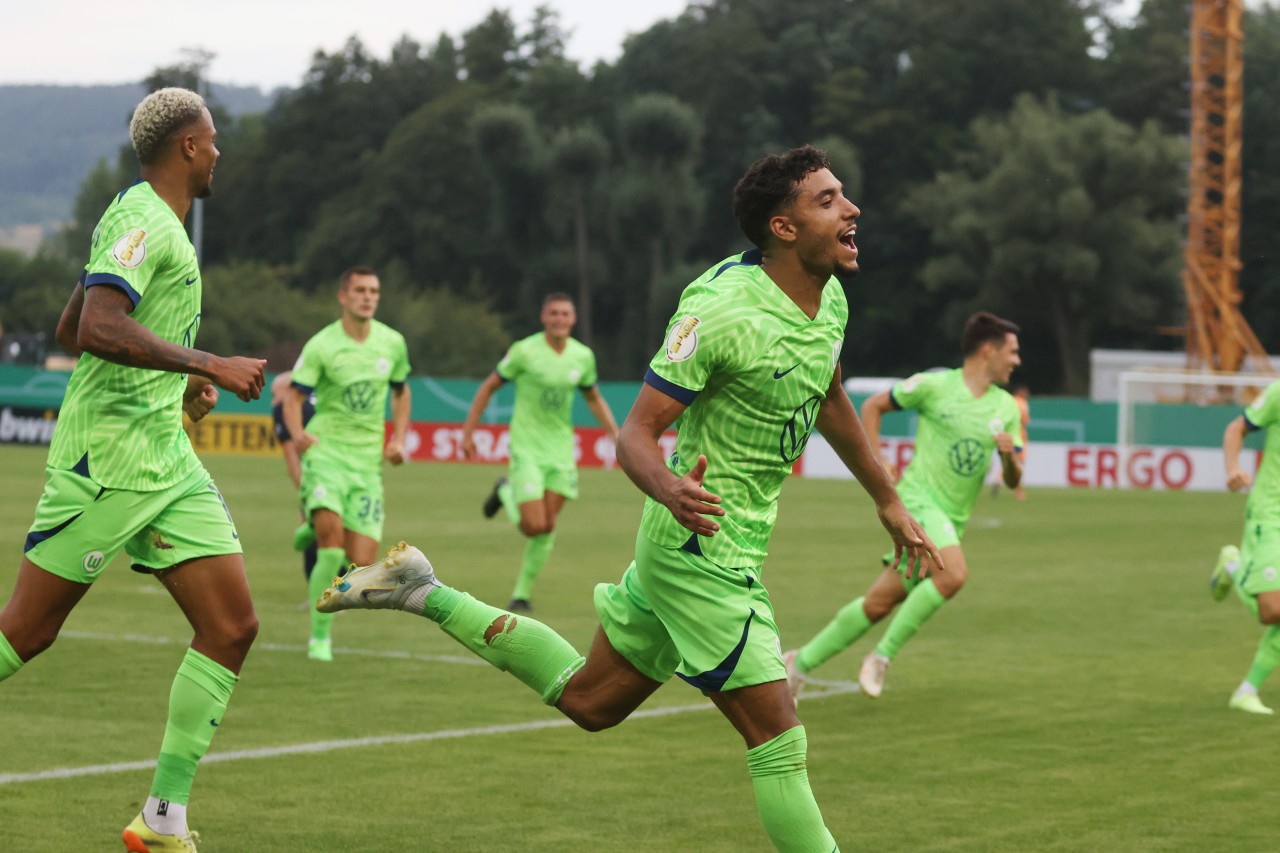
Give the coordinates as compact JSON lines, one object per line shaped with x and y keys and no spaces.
{"x":278,"y":647}
{"x":834,"y":688}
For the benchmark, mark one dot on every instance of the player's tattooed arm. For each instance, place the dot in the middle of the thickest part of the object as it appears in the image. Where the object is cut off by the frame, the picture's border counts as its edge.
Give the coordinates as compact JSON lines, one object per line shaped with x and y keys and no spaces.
{"x":107,"y":331}
{"x":69,"y":322}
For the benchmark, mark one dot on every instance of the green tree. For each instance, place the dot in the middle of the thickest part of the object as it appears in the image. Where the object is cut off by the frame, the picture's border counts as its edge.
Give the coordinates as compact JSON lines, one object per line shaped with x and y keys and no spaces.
{"x":1065,"y":223}
{"x":657,"y":198}
{"x":579,"y":156}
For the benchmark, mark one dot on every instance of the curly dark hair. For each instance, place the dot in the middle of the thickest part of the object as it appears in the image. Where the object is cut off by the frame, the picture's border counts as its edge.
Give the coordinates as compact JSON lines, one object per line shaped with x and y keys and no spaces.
{"x":770,"y":186}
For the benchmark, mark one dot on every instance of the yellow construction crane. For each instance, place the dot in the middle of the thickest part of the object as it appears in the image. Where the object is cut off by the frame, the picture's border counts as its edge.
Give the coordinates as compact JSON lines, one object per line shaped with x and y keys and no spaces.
{"x":1218,"y":336}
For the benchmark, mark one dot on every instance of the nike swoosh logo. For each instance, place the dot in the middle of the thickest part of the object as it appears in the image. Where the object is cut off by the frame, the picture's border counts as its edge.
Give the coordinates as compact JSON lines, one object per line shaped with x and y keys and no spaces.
{"x":213,"y":723}
{"x":778,"y":374}
{"x":192,"y":280}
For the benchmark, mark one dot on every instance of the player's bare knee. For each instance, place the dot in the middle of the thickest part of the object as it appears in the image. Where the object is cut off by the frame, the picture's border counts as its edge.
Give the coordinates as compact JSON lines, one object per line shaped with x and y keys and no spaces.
{"x":1268,"y":614}
{"x":585,"y":714}
{"x":28,"y":644}
{"x":876,"y":609}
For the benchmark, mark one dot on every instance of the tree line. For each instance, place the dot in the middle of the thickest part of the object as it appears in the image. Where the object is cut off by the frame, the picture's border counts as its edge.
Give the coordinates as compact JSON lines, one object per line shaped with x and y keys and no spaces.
{"x":1026,"y":158}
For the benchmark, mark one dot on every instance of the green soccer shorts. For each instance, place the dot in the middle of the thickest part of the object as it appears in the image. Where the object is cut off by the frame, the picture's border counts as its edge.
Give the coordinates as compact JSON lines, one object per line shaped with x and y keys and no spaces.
{"x":678,"y":613}
{"x":940,"y":528}
{"x":530,"y":477}
{"x":1259,"y":570}
{"x":80,"y":526}
{"x":330,"y":482}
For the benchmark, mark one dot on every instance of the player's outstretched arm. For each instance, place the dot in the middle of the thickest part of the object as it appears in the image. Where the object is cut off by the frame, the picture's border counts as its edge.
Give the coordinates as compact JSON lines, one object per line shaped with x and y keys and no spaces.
{"x":69,"y":322}
{"x":1232,"y":442}
{"x":839,"y":425}
{"x":599,"y":407}
{"x":640,"y":456}
{"x":484,"y":393}
{"x":401,"y":406}
{"x":107,"y":331}
{"x":1010,"y":461}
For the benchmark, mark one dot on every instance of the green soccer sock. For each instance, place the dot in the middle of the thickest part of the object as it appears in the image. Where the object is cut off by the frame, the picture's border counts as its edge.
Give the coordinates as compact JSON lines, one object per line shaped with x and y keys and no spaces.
{"x":536,"y":655}
{"x":328,"y":563}
{"x":536,"y":552}
{"x":787,"y":807}
{"x":839,"y":634}
{"x":197,"y":701}
{"x":922,"y":603}
{"x":1267,"y":657}
{"x":9,"y":660}
{"x":508,"y":497}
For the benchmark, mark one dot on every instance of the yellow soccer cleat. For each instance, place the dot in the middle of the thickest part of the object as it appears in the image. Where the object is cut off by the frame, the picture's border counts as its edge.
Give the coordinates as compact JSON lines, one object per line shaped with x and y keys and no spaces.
{"x":140,"y":838}
{"x":1249,"y":702}
{"x":1220,"y":577}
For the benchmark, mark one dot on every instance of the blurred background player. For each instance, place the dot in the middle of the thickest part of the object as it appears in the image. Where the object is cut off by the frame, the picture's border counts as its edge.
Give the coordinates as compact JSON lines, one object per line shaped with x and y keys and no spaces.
{"x":963,"y":417}
{"x":304,"y":538}
{"x":122,"y":472}
{"x":546,"y":368}
{"x":1021,"y":396}
{"x":350,"y":366}
{"x":1252,"y":569}
{"x":751,"y":362}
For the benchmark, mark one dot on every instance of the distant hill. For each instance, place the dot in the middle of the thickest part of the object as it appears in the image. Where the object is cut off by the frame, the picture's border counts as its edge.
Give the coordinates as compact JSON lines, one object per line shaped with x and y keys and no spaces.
{"x":51,"y":136}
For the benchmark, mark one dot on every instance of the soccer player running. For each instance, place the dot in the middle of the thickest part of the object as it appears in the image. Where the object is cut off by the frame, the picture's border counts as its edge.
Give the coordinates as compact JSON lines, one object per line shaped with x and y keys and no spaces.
{"x":1252,"y":568}
{"x":751,"y":363}
{"x":350,"y":366}
{"x":546,"y":367}
{"x":963,"y":417}
{"x":122,"y":474}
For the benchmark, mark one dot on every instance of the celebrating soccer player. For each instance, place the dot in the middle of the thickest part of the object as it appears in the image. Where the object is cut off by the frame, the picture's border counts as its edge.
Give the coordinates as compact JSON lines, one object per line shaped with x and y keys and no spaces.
{"x":963,"y":417}
{"x":1251,"y":569}
{"x":350,"y":366}
{"x":122,"y":473}
{"x":751,"y":361}
{"x":546,"y":368}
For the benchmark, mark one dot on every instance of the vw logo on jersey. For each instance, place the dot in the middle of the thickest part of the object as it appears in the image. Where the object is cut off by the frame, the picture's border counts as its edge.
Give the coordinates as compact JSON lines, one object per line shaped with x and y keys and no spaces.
{"x":968,"y":457}
{"x":382,"y":366}
{"x":554,"y":398}
{"x":93,"y":562}
{"x":358,"y":396}
{"x":131,"y":249}
{"x":796,"y":431}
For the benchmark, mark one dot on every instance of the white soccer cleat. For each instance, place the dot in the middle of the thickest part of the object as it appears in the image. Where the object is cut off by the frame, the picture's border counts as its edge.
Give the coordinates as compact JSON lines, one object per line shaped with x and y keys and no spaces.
{"x":386,"y":584}
{"x":871,"y":676}
{"x":795,"y":678}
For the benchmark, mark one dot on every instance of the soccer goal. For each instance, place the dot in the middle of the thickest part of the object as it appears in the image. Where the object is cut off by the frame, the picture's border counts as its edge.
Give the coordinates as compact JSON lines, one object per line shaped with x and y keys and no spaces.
{"x":1156,"y":408}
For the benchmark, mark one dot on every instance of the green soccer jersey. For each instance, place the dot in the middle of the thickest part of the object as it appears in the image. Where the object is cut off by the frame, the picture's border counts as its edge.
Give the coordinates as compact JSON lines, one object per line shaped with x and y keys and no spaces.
{"x":542,"y":424}
{"x":753,"y":370}
{"x":124,"y":424}
{"x":954,"y":440}
{"x":1264,"y":497}
{"x":351,"y":381}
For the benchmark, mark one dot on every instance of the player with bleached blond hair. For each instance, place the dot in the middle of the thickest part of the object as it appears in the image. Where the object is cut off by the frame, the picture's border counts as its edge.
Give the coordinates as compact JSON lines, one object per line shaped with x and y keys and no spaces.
{"x":122,"y":474}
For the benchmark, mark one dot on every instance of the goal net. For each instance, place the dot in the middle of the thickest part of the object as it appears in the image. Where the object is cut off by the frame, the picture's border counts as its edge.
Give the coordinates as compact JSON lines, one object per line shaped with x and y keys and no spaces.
{"x":1158,"y":408}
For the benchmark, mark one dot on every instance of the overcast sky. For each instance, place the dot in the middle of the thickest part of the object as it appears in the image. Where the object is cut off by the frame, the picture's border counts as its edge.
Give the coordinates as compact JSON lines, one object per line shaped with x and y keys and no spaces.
{"x":269,"y":43}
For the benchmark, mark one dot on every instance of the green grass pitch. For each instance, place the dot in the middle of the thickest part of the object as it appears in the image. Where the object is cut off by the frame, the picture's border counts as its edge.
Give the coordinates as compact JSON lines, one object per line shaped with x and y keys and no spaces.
{"x":1073,"y":697}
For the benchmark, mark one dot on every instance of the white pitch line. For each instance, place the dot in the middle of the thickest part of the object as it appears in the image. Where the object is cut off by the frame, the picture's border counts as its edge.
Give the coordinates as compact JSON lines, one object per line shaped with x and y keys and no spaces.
{"x":835,"y":689}
{"x":276,"y":647}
